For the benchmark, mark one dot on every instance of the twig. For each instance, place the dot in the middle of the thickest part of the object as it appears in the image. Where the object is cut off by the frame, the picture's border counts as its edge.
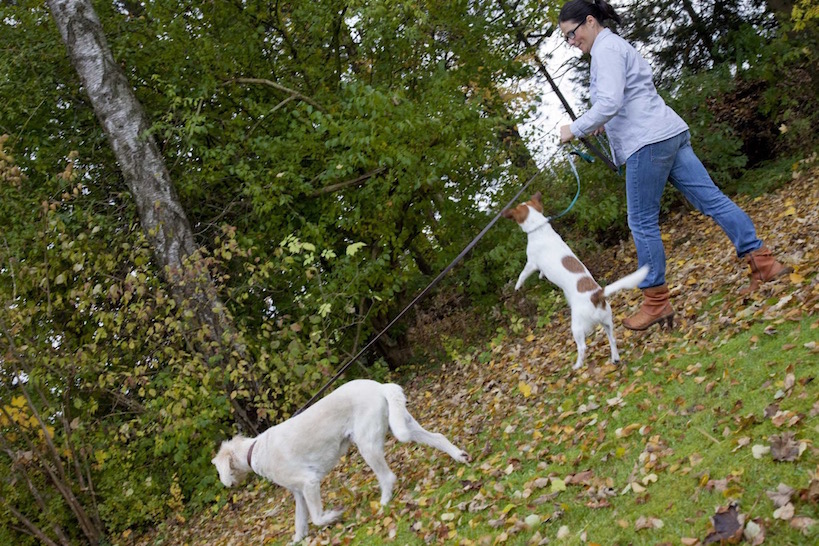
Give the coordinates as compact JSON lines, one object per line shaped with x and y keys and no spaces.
{"x":707,"y":435}
{"x":280,"y":87}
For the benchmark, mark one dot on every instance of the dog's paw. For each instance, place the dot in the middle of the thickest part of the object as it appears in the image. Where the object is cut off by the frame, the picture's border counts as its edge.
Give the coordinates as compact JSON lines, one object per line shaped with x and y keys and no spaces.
{"x":463,"y":457}
{"x":332,"y":516}
{"x":577,"y":366}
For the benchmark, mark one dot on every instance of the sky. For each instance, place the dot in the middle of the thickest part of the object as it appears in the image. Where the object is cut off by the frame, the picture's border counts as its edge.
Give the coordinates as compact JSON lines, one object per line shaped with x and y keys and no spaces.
{"x":544,"y":126}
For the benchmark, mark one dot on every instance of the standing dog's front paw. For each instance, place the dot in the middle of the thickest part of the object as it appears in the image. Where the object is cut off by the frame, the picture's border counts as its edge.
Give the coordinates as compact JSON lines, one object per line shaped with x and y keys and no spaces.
{"x":464,"y":457}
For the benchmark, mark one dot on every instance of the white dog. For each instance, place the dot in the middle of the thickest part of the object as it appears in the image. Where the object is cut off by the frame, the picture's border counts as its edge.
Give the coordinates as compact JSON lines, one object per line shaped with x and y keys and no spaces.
{"x":299,"y":452}
{"x":548,"y":253}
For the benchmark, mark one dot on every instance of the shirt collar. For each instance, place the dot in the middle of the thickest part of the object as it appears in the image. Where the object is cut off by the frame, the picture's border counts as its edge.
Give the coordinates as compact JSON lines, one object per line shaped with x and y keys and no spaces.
{"x":605,"y":33}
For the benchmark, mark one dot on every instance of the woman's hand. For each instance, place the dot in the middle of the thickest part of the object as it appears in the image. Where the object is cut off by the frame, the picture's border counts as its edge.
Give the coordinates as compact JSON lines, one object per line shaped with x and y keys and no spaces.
{"x":599,"y":131}
{"x":565,"y":134}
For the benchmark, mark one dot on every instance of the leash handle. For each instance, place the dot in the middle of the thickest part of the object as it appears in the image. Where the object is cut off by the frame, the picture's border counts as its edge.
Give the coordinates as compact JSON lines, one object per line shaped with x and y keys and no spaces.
{"x":423,"y":293}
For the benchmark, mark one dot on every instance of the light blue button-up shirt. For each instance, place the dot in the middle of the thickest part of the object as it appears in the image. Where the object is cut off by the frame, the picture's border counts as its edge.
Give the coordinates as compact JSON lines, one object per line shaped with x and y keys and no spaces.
{"x":625,"y":100}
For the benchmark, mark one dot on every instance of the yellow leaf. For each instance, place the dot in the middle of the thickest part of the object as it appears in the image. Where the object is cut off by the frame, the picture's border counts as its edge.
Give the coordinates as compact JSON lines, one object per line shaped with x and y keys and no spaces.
{"x":796,"y":278}
{"x":525,"y":389}
{"x":790,"y":211}
{"x":558,"y":485}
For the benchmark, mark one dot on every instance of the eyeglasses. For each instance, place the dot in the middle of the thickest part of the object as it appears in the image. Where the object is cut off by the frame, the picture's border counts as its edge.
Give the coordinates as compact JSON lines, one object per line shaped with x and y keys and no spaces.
{"x":570,"y":35}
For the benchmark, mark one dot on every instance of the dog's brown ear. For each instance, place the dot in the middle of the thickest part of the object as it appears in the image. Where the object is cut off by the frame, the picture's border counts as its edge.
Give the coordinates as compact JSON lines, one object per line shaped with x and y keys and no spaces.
{"x":538,"y":197}
{"x":507,"y":214}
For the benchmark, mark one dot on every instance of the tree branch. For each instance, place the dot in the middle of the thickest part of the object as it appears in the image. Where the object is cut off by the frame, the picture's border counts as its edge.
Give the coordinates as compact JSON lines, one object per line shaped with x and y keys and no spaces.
{"x":341,"y":185}
{"x":274,"y":85}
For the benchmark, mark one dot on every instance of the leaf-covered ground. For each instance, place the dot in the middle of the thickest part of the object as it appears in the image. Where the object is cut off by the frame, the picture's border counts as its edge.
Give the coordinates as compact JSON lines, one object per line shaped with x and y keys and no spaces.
{"x":704,"y":434}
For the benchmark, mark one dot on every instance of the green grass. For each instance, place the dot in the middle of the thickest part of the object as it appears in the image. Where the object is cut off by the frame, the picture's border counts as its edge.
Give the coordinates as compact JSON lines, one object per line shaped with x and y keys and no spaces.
{"x":699,"y":398}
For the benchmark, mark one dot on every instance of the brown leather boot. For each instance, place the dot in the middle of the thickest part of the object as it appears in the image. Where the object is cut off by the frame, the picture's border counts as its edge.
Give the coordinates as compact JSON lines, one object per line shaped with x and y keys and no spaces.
{"x":655,"y":308}
{"x":764,"y":267}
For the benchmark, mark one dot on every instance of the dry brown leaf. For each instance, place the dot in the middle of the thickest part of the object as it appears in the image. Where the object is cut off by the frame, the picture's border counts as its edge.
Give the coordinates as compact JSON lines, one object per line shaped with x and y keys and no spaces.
{"x":754,"y":533}
{"x":803,"y":523}
{"x":727,"y":524}
{"x":784,"y":447}
{"x":784,"y":512}
{"x":781,"y":496}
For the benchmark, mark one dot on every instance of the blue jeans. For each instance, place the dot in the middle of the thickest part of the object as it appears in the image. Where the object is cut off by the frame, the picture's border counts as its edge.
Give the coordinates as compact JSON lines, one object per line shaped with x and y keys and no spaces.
{"x":647,"y":171}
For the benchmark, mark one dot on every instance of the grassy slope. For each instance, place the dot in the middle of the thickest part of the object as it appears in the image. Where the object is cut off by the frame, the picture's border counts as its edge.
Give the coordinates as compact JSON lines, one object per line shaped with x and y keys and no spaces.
{"x":679,"y":418}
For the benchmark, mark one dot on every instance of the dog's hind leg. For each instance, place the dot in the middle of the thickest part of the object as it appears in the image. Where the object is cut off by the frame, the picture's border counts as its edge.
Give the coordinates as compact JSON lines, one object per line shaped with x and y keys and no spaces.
{"x":406,"y":429}
{"x":312,"y":498}
{"x":373,"y":454}
{"x":608,"y":326}
{"x":419,"y":434}
{"x":301,"y":516}
{"x":579,"y":333}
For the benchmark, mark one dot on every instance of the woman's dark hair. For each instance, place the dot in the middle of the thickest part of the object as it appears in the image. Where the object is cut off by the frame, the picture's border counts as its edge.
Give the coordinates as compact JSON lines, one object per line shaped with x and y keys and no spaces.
{"x":578,"y":10}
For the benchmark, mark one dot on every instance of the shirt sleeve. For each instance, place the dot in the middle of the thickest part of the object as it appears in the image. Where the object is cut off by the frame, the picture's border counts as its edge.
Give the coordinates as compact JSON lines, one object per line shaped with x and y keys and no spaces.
{"x":608,"y":70}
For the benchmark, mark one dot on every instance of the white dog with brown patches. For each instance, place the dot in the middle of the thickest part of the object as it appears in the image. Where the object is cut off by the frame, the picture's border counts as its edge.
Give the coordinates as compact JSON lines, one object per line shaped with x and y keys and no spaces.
{"x":548,"y":253}
{"x":299,"y":452}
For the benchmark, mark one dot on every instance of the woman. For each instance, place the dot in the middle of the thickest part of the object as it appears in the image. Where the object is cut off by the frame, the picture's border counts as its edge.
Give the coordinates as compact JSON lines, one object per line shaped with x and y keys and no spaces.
{"x":654,"y":143}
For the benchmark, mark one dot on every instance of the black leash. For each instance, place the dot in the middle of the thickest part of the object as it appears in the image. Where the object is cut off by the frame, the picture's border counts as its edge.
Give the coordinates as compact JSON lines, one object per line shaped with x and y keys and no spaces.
{"x":423,"y":293}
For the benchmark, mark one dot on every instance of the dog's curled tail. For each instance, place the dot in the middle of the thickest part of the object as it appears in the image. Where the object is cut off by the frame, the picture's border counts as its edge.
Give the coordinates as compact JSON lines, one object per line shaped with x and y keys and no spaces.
{"x":629,"y":281}
{"x":397,"y":402}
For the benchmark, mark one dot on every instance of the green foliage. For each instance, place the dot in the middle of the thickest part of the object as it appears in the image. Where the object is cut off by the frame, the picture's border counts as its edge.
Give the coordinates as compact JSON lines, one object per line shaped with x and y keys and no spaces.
{"x":715,"y":143}
{"x":805,"y":12}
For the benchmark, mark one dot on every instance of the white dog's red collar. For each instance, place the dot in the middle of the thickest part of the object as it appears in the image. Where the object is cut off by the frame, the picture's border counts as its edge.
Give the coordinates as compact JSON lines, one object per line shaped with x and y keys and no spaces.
{"x":249,"y":454}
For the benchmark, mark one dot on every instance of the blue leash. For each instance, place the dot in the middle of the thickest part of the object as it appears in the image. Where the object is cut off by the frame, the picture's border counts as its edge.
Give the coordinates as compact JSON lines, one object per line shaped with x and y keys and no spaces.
{"x":576,"y":177}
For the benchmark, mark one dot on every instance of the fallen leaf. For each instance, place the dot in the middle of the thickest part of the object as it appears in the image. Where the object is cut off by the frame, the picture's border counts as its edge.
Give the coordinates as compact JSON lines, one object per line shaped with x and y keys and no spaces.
{"x":581,"y":478}
{"x":803,"y":523}
{"x":759,"y":451}
{"x":754,"y":533}
{"x":563,"y":532}
{"x":728,"y":525}
{"x":558,"y":485}
{"x":781,"y":496}
{"x":741,"y":442}
{"x":644,"y":522}
{"x":784,"y":447}
{"x":796,"y":278}
{"x":784,"y":512}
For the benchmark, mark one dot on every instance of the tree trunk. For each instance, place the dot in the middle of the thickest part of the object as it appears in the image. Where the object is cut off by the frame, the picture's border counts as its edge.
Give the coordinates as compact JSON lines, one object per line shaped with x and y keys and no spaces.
{"x":162,"y":217}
